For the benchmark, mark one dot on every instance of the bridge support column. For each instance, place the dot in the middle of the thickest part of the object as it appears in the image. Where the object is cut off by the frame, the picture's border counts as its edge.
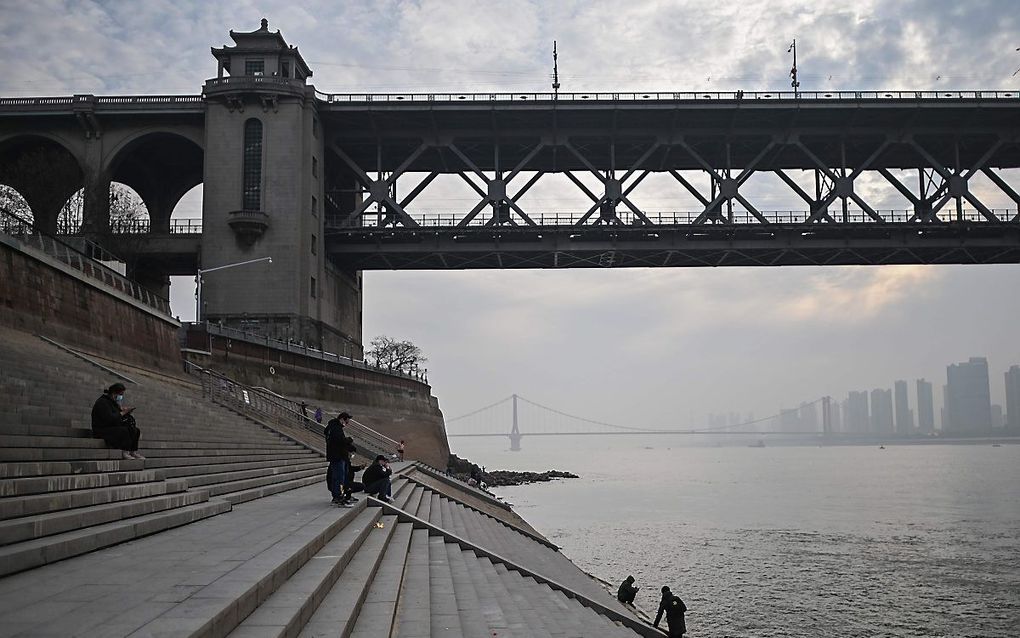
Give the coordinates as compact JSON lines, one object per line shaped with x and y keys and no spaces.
{"x":150,"y":276}
{"x":96,"y":204}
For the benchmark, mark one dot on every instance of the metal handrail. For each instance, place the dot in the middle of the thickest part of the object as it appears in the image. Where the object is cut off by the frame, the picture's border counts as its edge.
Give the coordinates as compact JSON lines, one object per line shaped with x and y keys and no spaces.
{"x":257,"y":402}
{"x":290,"y":346}
{"x":86,"y":100}
{"x":684,"y":218}
{"x":91,"y":260}
{"x":667,"y":96}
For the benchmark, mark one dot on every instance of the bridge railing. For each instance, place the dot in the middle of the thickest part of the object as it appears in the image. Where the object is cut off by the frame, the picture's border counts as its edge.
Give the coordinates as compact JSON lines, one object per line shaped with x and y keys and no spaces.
{"x":88,"y":102}
{"x":92,"y":260}
{"x":308,"y":351}
{"x":144,"y":226}
{"x":685,"y":218}
{"x":671,"y":96}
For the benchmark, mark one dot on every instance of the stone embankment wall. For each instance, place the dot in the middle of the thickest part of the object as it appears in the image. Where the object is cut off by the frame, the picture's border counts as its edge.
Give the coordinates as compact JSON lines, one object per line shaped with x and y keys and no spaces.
{"x":41,"y":295}
{"x":396,"y":407}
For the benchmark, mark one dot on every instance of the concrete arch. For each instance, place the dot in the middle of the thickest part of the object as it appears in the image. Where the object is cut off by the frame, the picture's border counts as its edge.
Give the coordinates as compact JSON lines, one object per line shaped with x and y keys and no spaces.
{"x":44,"y":171}
{"x":161,"y":165}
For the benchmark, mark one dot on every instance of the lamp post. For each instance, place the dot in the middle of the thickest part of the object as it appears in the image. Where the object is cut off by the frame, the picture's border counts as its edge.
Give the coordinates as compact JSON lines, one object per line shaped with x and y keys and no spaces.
{"x":198,"y":281}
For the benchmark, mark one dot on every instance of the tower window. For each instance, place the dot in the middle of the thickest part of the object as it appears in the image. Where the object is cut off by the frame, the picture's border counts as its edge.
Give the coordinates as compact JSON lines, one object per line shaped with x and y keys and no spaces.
{"x":315,"y":166}
{"x":252,"y":165}
{"x":255,"y":67}
{"x":315,"y":244}
{"x":285,"y":69}
{"x":313,"y":287}
{"x":315,"y":206}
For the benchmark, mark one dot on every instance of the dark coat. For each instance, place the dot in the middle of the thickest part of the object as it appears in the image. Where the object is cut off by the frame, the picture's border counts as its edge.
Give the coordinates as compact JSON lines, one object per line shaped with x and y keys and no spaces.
{"x":627,"y":592}
{"x":374,"y":472}
{"x":674,"y":608}
{"x":337,"y":448}
{"x":106,"y":413}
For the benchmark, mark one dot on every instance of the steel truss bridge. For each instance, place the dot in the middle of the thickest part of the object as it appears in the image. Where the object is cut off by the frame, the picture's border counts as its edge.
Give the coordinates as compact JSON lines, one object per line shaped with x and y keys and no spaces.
{"x":838,"y":156}
{"x":927,"y":148}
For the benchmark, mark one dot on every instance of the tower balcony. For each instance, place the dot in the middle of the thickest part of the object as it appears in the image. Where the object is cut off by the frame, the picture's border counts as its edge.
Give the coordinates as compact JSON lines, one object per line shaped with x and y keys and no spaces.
{"x":254,"y":84}
{"x":248,"y":225}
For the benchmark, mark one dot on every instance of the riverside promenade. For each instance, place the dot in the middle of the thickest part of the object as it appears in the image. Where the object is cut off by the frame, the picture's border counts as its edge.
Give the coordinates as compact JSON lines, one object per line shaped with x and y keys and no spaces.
{"x":225,"y":529}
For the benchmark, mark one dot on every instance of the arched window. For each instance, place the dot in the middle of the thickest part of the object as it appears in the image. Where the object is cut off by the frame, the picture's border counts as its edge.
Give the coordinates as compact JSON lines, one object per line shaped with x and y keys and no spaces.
{"x":252,"y":165}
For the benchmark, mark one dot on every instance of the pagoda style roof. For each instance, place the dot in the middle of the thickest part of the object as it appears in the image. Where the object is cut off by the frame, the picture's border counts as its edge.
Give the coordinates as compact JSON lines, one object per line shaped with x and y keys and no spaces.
{"x":261,"y":40}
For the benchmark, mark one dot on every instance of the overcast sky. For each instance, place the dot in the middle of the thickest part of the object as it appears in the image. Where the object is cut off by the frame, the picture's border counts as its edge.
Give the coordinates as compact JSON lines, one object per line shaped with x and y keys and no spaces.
{"x":641,"y":347}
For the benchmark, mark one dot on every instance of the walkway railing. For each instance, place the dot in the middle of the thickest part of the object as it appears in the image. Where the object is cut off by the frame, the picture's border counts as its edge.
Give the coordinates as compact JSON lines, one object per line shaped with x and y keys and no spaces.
{"x":261,"y":404}
{"x":88,"y":258}
{"x":142,"y":102}
{"x":672,"y":96}
{"x":144,"y":227}
{"x":685,"y":218}
{"x":298,"y":348}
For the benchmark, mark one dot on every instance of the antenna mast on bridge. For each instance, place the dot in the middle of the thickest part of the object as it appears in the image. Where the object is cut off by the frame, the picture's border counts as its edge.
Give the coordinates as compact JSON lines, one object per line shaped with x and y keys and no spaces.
{"x":555,"y":85}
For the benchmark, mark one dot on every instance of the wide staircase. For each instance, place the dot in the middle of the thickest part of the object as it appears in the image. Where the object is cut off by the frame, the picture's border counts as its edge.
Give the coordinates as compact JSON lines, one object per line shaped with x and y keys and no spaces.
{"x":291,"y":565}
{"x":63,"y":492}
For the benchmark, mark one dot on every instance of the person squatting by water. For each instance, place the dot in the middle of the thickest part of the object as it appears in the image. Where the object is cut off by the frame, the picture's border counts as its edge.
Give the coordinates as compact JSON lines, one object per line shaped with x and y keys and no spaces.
{"x":627,"y":591}
{"x":377,"y":479}
{"x":114,"y":423}
{"x":339,"y":457}
{"x":674,"y":608}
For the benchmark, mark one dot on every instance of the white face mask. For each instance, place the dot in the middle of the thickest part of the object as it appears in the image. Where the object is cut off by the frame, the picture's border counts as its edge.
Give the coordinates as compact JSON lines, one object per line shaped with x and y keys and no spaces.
{"x":118,"y":398}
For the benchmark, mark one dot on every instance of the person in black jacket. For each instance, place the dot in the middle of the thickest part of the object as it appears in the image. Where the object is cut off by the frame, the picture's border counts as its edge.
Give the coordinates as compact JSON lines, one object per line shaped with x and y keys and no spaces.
{"x":114,"y":424}
{"x":377,"y":479}
{"x":627,"y":591}
{"x":338,"y":456}
{"x":674,"y":608}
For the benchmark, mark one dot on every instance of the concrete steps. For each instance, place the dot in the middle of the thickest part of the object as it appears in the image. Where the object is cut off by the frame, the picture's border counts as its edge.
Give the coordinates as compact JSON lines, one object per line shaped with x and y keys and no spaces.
{"x":379,"y":607}
{"x":41,"y":551}
{"x":60,"y":486}
{"x":292,"y":565}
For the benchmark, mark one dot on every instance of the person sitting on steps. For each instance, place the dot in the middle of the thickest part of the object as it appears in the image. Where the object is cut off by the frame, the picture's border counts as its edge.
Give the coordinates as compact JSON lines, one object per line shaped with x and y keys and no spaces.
{"x":114,"y":423}
{"x":377,"y":479}
{"x":627,"y":591}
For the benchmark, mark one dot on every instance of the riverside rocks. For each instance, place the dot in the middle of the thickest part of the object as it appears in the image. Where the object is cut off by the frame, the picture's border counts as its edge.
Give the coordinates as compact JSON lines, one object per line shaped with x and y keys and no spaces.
{"x":461,"y":468}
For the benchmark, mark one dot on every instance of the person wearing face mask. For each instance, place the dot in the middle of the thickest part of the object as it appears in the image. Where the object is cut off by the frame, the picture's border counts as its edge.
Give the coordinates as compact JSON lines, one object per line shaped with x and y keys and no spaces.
{"x":114,"y":424}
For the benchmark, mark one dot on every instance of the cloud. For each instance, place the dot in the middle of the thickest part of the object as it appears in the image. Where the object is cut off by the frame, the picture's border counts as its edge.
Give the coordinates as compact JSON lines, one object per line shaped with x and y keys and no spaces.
{"x":646,"y":345}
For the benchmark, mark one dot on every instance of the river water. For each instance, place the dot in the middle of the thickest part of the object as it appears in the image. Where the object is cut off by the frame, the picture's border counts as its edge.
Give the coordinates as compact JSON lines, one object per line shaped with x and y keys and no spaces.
{"x":911,"y":540}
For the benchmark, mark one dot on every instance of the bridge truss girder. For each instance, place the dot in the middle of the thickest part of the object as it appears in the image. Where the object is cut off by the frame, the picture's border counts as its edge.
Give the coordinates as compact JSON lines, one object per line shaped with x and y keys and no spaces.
{"x":945,"y":167}
{"x":679,"y":246}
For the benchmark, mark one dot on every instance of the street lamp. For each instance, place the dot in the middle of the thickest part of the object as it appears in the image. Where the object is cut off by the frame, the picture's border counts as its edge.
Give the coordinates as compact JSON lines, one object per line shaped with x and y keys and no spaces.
{"x":198,"y":281}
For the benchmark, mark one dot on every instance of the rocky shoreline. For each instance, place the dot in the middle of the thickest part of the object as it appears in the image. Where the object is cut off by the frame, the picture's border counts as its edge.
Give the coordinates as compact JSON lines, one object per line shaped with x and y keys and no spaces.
{"x":462,"y":469}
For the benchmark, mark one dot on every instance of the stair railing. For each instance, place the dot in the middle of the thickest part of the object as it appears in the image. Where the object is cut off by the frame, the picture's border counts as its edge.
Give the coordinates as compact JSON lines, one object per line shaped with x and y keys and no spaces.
{"x":285,"y":412}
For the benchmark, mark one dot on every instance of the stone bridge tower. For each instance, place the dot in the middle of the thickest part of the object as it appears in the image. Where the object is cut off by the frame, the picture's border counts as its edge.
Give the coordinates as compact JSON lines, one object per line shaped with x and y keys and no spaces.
{"x":263,"y":197}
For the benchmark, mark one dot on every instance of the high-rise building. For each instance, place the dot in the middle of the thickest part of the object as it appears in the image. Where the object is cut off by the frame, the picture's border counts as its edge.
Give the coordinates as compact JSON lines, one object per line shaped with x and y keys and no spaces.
{"x":858,"y":419}
{"x":998,"y":420}
{"x":904,"y":417}
{"x":1013,"y":398}
{"x":968,"y":398}
{"x":925,"y":407}
{"x":881,"y":411}
{"x":835,"y":416}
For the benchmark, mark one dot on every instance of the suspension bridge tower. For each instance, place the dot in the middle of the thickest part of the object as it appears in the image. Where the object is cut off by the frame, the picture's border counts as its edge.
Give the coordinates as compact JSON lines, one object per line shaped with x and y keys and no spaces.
{"x":515,"y":432}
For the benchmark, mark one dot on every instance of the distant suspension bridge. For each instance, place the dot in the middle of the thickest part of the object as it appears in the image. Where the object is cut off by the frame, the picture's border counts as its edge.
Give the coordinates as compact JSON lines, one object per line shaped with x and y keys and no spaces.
{"x":504,"y":418}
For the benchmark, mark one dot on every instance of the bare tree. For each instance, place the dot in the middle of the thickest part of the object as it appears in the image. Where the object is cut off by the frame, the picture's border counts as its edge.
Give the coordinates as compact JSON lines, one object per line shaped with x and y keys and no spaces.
{"x":394,"y":355}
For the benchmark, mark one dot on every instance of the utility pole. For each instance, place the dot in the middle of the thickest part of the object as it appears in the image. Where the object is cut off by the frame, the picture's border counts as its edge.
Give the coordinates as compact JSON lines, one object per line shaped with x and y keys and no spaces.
{"x":793,"y":72}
